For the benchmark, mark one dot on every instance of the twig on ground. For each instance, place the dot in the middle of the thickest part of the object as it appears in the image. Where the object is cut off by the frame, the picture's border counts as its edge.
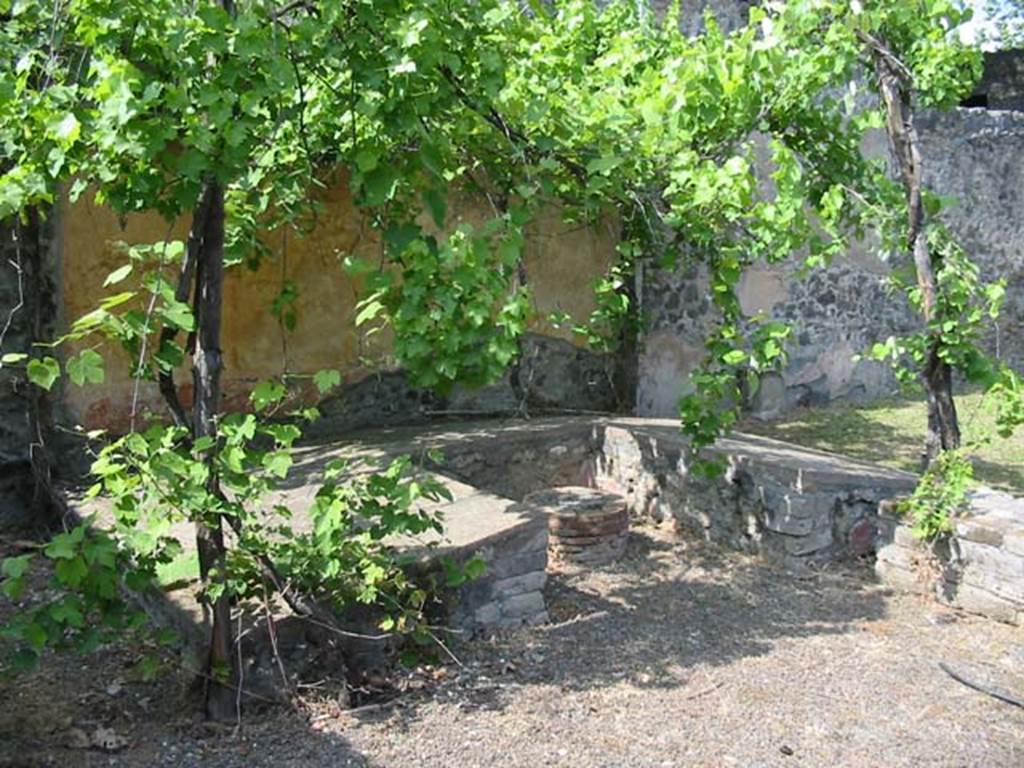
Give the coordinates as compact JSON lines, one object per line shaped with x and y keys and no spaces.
{"x":577,"y":620}
{"x":445,"y":648}
{"x":703,"y":691}
{"x":995,"y":693}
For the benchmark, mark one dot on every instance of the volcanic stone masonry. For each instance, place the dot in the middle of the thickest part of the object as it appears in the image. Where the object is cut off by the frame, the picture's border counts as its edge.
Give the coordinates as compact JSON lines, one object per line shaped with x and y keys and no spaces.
{"x":971,"y":155}
{"x":979,"y":568}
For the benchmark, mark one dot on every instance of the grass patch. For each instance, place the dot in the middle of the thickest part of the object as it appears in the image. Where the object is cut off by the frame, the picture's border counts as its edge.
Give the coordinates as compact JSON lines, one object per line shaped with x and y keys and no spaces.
{"x":891,"y":432}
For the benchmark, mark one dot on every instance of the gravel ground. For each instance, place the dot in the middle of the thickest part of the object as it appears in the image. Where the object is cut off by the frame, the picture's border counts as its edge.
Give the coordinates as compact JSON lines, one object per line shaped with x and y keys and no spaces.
{"x":680,"y":655}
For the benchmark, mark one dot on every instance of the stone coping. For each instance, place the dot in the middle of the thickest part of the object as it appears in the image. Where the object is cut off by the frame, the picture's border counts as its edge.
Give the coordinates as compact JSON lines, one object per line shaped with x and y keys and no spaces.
{"x":805,"y":467}
{"x":476,"y":515}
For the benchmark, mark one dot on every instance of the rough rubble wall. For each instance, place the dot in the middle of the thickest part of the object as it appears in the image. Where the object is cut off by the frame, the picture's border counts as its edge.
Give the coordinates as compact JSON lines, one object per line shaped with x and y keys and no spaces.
{"x":972,"y":155}
{"x":794,"y":506}
{"x":1002,"y":85}
{"x":561,"y":261}
{"x":977,"y":156}
{"x":979,"y":568}
{"x":836,"y":313}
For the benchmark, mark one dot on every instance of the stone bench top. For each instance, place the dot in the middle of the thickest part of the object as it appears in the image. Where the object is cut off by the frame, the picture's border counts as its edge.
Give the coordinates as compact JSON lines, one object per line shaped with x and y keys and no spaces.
{"x":475,"y":516}
{"x":803,"y":465}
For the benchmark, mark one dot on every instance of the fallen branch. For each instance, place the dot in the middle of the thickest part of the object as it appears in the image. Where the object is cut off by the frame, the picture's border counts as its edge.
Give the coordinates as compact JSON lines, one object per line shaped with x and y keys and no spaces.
{"x":995,"y":693}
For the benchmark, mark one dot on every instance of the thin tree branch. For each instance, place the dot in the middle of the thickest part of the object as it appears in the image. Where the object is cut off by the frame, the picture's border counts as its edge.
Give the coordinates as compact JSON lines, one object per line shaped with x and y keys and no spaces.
{"x":165,"y":378}
{"x":514,"y":135}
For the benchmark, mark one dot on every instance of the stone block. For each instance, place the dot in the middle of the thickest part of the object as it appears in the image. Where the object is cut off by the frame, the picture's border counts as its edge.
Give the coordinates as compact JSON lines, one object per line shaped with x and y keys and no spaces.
{"x":904,"y":536}
{"x":811,"y":543}
{"x":885,"y":532}
{"x":1013,"y":541}
{"x":515,"y":585}
{"x":781,"y":521}
{"x":1006,"y":586}
{"x":978,"y":600}
{"x":487,"y":615}
{"x":901,"y":557}
{"x":993,"y":560}
{"x":537,"y":619}
{"x":522,"y":606}
{"x":899,"y":578}
{"x":519,"y":563}
{"x":817,"y":506}
{"x":982,"y":530}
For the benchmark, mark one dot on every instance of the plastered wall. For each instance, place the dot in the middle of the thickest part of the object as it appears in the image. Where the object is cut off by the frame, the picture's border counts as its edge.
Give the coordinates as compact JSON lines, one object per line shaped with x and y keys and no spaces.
{"x":562,"y":261}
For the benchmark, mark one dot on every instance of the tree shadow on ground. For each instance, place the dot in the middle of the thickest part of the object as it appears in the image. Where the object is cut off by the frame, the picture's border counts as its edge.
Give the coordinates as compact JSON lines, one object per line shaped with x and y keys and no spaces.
{"x":1003,"y":476}
{"x":63,"y":704}
{"x":54,"y":710}
{"x":673,"y":612}
{"x":848,"y":432}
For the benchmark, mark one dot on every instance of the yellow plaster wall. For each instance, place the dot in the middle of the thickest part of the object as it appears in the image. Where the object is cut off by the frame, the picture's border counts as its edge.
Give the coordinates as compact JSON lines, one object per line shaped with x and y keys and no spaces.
{"x":562,"y":261}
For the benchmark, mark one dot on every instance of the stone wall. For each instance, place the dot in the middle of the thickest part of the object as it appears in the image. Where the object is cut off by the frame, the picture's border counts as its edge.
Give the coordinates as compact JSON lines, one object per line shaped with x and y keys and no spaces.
{"x":1002,"y":85}
{"x":972,"y":155}
{"x":729,"y":14}
{"x":795,"y":506}
{"x":975,"y":156}
{"x":551,"y":374}
{"x":561,"y":262}
{"x":979,"y":568}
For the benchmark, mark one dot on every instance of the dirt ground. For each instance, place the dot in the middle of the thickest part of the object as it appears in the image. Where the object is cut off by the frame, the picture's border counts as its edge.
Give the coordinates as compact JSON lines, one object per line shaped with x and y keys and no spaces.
{"x":680,"y":655}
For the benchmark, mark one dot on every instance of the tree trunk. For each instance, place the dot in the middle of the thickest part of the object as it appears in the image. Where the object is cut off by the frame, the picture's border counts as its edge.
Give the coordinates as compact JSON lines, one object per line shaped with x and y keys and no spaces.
{"x":48,"y":505}
{"x":937,"y":376}
{"x":221,"y":675}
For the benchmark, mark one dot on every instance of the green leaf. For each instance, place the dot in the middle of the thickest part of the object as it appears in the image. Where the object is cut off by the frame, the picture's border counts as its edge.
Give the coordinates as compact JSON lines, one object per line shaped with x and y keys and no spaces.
{"x":379,"y":186}
{"x":43,"y":373}
{"x":71,"y":571}
{"x":61,"y":547}
{"x":278,"y":463}
{"x":267,"y":393}
{"x":86,"y":368}
{"x":603,"y":164}
{"x":12,"y":358}
{"x":67,"y":130}
{"x":179,"y":315}
{"x":14,"y":567}
{"x":67,"y":611}
{"x":475,"y":568}
{"x":118,"y":275}
{"x":326,"y":380}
